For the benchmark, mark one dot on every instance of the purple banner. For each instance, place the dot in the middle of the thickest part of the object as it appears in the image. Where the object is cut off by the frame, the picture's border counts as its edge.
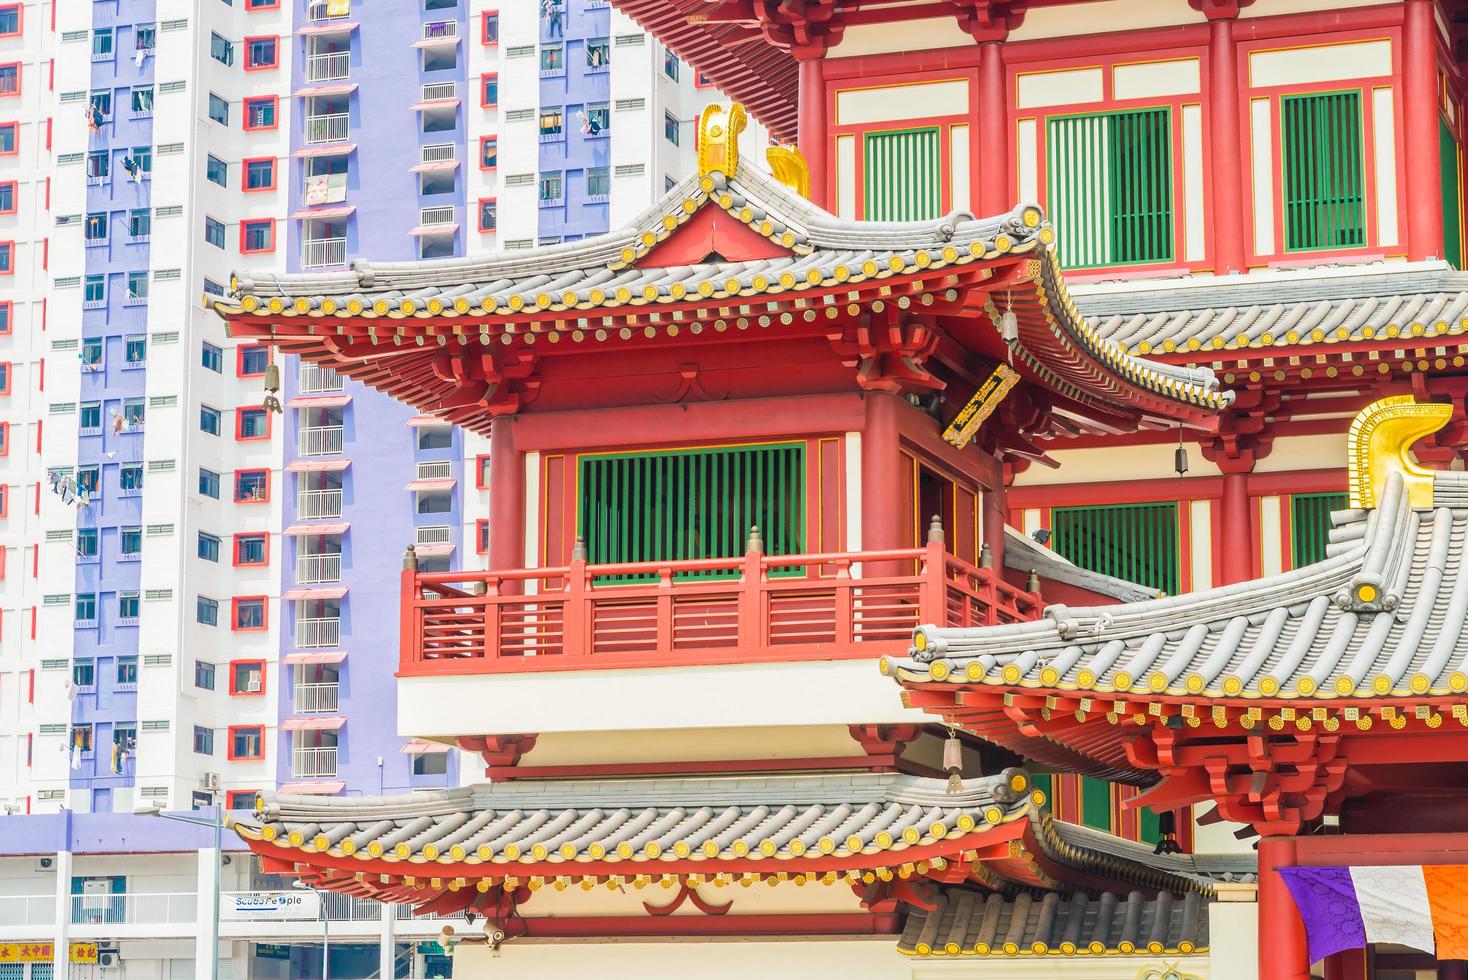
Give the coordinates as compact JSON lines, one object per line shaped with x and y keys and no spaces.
{"x":1327,"y":902}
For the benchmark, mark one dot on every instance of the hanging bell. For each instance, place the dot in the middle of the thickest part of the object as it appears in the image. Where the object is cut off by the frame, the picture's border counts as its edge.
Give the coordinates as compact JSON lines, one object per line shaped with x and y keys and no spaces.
{"x":953,"y":762}
{"x":1009,"y":327}
{"x":1180,"y":461}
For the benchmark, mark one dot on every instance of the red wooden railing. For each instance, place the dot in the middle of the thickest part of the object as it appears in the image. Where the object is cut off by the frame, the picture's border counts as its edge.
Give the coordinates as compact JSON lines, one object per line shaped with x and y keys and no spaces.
{"x":716,"y":610}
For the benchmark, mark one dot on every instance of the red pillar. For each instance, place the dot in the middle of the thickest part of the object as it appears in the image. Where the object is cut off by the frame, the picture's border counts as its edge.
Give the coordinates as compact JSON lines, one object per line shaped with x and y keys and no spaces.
{"x":885,"y":523}
{"x":995,"y":515}
{"x":506,"y":497}
{"x":1348,"y":965}
{"x":992,"y":158}
{"x":1283,"y":954}
{"x":1236,"y":532}
{"x":814,"y":138}
{"x":1226,"y":166}
{"x":1420,"y":107}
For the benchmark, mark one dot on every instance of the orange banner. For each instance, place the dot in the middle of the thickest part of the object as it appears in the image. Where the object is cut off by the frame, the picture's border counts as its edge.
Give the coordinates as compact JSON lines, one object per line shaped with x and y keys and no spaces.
{"x":1447,"y":896}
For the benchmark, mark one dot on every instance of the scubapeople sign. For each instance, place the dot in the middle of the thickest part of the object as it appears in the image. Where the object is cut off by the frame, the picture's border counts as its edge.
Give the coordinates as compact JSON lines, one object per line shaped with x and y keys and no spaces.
{"x":271,"y":905}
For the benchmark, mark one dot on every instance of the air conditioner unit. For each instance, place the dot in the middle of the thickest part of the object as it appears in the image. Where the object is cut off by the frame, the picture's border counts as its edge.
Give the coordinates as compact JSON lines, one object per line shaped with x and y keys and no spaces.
{"x":109,"y":959}
{"x":46,"y":864}
{"x":209,"y":780}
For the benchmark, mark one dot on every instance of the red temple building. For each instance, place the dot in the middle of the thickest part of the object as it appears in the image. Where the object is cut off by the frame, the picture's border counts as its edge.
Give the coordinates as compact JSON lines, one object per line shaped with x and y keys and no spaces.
{"x":1119,"y":484}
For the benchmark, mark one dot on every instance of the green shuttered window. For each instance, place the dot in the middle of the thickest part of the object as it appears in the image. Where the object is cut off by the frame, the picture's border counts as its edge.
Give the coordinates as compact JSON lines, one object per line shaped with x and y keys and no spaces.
{"x":1324,"y":197}
{"x":1452,"y":196}
{"x":903,"y":174}
{"x":1110,"y":187}
{"x":1136,"y":542}
{"x":693,"y":504}
{"x":1310,"y":524}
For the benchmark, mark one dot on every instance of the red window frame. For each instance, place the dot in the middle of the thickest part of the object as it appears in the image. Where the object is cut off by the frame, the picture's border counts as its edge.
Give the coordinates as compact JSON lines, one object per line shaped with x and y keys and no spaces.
{"x":229,"y":748}
{"x":484,"y":27}
{"x":481,"y":475}
{"x":249,"y":101}
{"x":16,"y":127}
{"x":245,"y":174}
{"x":4,"y":438}
{"x":245,"y":46}
{"x":479,"y":216}
{"x":496,"y":141}
{"x":234,"y":546}
{"x":5,"y":387}
{"x":253,"y":5}
{"x":14,"y":196}
{"x":700,"y":80}
{"x":246,"y":662}
{"x":7,"y":322}
{"x":481,"y":536}
{"x":252,"y":469}
{"x":245,"y":225}
{"x":239,"y":358}
{"x":232,"y":796}
{"x":239,"y":423}
{"x":484,"y":80}
{"x":234,"y":625}
{"x":19,"y":74}
{"x":8,"y":269}
{"x":19,"y":9}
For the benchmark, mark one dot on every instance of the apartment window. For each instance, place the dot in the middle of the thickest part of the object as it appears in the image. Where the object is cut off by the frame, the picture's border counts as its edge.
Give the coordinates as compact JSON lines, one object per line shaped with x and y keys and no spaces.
{"x":488,"y":214}
{"x":435,"y":437}
{"x":552,"y":123}
{"x":598,"y":182}
{"x":214,"y":232}
{"x":240,"y":799}
{"x":127,"y":608}
{"x":86,"y":542}
{"x":1324,"y":173}
{"x":89,"y":478}
{"x":250,"y":549}
{"x":209,"y":419}
{"x":553,"y":58}
{"x":260,"y":112}
{"x":86,"y":608}
{"x":127,"y":667}
{"x":489,"y":28}
{"x":9,"y":139}
{"x":489,"y":152}
{"x":203,"y":740}
{"x":10,"y":79}
{"x":141,"y":100}
{"x":135,"y":351}
{"x":221,"y":50}
{"x":260,"y":174}
{"x":598,"y":53}
{"x":140,"y":223}
{"x":95,"y":228}
{"x":7,"y":197}
{"x":670,"y":64}
{"x":206,"y":611}
{"x":252,"y":423}
{"x":246,"y":742}
{"x":261,"y":53}
{"x":218,"y":109}
{"x":145,"y":38}
{"x":670,"y":128}
{"x":101,"y":105}
{"x":430,"y":763}
{"x":130,"y":476}
{"x":596,"y":120}
{"x":253,"y":361}
{"x":102,"y":42}
{"x":481,"y":537}
{"x":257,"y":235}
{"x":247,"y":677}
{"x":262,"y":4}
{"x":129,"y":542}
{"x":213,"y":358}
{"x":203,"y":675}
{"x":94,"y":290}
{"x":6,"y":309}
{"x":7,"y":258}
{"x":251,"y":486}
{"x":139,"y":163}
{"x":9,"y":20}
{"x":248,"y":614}
{"x":208,"y":483}
{"x":133,"y":412}
{"x":1136,"y":542}
{"x":84,"y":674}
{"x":551,"y":187}
{"x":216,"y":170}
{"x":1109,"y":184}
{"x":208,"y":547}
{"x":137,"y":286}
{"x":489,"y":89}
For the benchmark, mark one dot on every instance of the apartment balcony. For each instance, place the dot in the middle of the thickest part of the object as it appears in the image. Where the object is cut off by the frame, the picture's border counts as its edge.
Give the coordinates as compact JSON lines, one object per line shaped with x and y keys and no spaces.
{"x":319,"y":440}
{"x":328,"y":9}
{"x":318,"y":569}
{"x":319,"y":253}
{"x":312,"y":762}
{"x":433,"y":534}
{"x":318,"y":633}
{"x":129,"y":909}
{"x":440,"y":32}
{"x":328,"y":128}
{"x":318,"y":380}
{"x":331,"y":66}
{"x":317,"y":699}
{"x":27,"y":910}
{"x":314,"y":505}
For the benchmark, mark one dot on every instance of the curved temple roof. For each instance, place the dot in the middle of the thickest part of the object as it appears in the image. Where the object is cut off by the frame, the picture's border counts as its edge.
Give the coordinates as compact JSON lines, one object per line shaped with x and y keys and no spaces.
{"x":391,"y":324}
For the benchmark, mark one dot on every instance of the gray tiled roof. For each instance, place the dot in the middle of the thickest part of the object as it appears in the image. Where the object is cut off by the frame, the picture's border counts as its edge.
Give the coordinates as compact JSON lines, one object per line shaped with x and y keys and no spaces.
{"x":1382,"y":614}
{"x":641,"y":820}
{"x":1023,"y":554}
{"x":1085,"y":847}
{"x":1284,"y":308}
{"x":967,"y":922}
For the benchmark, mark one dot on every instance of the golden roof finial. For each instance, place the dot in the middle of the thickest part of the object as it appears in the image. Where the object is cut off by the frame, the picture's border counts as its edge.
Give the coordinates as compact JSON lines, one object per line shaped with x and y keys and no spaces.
{"x":718,"y":139}
{"x":1379,"y":444}
{"x":788,"y":165}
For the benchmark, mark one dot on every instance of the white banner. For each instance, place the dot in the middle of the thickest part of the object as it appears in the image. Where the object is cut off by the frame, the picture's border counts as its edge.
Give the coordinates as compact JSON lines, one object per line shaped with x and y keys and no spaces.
{"x":270,"y":905}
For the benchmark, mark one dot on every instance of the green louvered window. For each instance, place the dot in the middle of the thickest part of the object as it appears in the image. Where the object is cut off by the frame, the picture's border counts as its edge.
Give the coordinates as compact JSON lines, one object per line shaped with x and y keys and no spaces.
{"x":1452,"y":196}
{"x":1136,"y":542}
{"x":697,"y":503}
{"x":1096,"y":803}
{"x":1310,"y":524}
{"x":903,"y":175}
{"x":1110,"y":188}
{"x":1324,"y":196}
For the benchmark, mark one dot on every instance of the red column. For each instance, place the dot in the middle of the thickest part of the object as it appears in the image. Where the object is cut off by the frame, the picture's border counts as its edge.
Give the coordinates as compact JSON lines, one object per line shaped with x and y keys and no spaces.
{"x":814,"y":138}
{"x":1236,"y":532}
{"x":1349,"y":965}
{"x":1226,"y":166}
{"x":506,"y":497}
{"x":995,"y":514}
{"x":1283,"y":954}
{"x":992,"y":158}
{"x":1420,"y":107}
{"x":884,"y":521}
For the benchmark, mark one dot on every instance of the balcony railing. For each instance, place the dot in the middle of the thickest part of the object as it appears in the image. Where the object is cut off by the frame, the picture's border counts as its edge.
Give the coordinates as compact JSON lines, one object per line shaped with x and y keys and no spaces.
{"x":315,"y":504}
{"x":328,"y":67}
{"x":125,"y":909}
{"x":434,"y":534}
{"x":319,"y":252}
{"x":436,"y":91}
{"x":438,"y":469}
{"x":327,"y":128}
{"x":318,"y":380}
{"x":320,"y":440}
{"x":27,"y":910}
{"x":314,"y":569}
{"x":758,"y":607}
{"x":310,"y":762}
{"x":436,"y":216}
{"x":437,"y":30}
{"x":318,"y":632}
{"x":316,"y":698}
{"x":436,"y":153}
{"x":322,"y":10}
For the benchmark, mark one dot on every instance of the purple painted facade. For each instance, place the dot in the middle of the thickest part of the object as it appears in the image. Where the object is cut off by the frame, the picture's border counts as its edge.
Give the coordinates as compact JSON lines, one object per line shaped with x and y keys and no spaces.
{"x":575,"y":81}
{"x":108,"y":833}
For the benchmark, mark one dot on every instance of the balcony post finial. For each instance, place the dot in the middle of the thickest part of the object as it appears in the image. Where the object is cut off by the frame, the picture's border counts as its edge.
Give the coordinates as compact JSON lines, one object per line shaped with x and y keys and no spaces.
{"x":986,"y":557}
{"x":1032,"y":584}
{"x":410,"y":559}
{"x":754,"y":544}
{"x":935,"y":530}
{"x":578,"y":550}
